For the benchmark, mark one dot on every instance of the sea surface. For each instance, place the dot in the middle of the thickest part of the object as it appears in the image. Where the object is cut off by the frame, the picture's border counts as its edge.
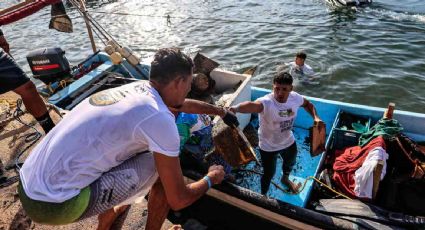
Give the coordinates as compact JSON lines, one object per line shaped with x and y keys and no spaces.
{"x":370,"y":55}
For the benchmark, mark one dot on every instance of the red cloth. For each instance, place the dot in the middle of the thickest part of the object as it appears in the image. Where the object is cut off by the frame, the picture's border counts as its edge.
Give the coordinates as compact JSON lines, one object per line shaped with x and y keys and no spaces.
{"x":349,"y":161}
{"x":25,"y":11}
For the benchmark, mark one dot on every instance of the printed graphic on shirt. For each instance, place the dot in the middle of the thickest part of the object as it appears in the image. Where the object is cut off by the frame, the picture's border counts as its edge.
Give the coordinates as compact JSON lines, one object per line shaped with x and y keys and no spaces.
{"x":112,"y":96}
{"x":107,"y":97}
{"x":142,"y":88}
{"x":286,"y":113}
{"x":286,"y":125}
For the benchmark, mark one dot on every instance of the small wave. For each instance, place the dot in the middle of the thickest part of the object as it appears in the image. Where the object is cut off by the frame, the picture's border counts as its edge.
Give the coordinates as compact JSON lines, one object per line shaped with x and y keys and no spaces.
{"x":398,"y":16}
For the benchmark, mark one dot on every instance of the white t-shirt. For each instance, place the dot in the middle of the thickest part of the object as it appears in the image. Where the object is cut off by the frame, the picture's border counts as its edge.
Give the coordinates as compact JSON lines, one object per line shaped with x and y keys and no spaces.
{"x":100,"y":133}
{"x":300,"y":72}
{"x":277,"y":120}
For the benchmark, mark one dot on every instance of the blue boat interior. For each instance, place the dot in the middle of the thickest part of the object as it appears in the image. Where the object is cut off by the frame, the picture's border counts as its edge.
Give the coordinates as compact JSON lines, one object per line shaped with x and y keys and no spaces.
{"x":104,"y":73}
{"x":307,"y":166}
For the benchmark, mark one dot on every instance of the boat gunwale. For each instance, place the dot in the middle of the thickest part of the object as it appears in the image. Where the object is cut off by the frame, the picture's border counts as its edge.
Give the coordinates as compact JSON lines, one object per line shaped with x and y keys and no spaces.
{"x":313,"y":218}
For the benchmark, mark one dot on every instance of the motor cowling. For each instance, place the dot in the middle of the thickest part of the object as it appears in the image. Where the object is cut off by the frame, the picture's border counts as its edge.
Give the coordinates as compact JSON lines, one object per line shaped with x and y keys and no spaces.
{"x":49,"y":64}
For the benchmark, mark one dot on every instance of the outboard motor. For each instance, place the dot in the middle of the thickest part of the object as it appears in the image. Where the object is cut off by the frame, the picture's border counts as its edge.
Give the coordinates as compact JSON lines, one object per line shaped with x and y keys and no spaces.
{"x":49,"y":64}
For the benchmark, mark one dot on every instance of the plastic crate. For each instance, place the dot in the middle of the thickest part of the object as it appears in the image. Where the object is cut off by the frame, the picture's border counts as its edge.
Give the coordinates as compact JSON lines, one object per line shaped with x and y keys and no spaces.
{"x":344,"y":135}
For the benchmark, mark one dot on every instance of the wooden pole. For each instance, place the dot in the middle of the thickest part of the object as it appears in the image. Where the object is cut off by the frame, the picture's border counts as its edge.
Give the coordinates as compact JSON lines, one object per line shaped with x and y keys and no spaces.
{"x":89,"y":30}
{"x":388,"y":114}
{"x":377,"y":171}
{"x":15,"y":7}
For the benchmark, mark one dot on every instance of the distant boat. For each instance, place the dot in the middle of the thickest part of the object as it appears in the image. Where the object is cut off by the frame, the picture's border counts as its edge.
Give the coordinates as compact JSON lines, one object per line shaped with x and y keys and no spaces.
{"x":349,"y":3}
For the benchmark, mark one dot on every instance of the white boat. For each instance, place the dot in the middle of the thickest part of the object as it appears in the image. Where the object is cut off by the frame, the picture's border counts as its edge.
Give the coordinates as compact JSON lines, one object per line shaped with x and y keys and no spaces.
{"x":349,"y":3}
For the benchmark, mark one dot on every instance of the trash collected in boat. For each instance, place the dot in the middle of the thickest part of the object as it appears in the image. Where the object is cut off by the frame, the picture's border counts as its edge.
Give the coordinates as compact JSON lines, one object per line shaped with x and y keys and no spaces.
{"x":232,"y":144}
{"x":318,"y":138}
{"x":204,"y":64}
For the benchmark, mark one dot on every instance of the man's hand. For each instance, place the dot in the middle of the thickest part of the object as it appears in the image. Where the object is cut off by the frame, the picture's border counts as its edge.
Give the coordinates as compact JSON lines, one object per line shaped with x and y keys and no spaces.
{"x":317,"y":120}
{"x":216,"y":174}
{"x":4,"y":44}
{"x":230,"y":119}
{"x":234,"y":109}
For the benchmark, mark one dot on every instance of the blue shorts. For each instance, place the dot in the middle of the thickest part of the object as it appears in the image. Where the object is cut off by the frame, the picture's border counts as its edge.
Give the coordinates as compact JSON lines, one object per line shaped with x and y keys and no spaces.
{"x":11,"y":76}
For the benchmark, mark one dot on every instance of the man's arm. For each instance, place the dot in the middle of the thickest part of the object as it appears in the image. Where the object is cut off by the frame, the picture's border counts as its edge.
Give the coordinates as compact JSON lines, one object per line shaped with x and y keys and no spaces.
{"x":248,"y":107}
{"x":200,"y":107}
{"x":179,"y":195}
{"x":309,"y":107}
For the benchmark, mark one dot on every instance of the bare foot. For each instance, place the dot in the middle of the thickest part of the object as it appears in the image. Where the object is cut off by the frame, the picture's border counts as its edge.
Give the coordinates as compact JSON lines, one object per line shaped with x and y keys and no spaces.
{"x":291,"y":185}
{"x":176,"y":227}
{"x":107,"y":218}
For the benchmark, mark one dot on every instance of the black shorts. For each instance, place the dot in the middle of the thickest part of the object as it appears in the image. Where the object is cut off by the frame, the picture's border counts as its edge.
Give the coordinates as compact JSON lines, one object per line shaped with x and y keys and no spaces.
{"x":11,"y":76}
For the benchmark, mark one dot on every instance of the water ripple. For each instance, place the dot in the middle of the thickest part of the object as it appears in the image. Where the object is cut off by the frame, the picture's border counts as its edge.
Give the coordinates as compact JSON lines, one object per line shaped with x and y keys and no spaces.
{"x":371,"y":55}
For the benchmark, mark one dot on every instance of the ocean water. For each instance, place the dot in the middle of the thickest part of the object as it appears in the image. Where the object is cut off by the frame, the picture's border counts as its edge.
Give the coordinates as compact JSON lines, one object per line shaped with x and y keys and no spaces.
{"x":370,"y":55}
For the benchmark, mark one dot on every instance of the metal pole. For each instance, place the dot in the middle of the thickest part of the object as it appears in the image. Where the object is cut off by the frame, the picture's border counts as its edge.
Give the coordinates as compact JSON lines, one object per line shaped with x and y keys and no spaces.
{"x":89,"y":30}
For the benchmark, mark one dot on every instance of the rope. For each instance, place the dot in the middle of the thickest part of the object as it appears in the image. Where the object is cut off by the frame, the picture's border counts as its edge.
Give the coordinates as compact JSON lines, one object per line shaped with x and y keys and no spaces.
{"x":98,"y":25}
{"x":4,"y":182}
{"x":302,"y":187}
{"x":49,"y":87}
{"x":62,"y":83}
{"x":32,"y":137}
{"x":11,"y":103}
{"x":416,"y":162}
{"x":96,"y":30}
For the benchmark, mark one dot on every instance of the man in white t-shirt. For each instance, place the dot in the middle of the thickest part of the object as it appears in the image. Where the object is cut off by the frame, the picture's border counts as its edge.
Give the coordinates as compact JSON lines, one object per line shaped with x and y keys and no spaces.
{"x":111,"y":148}
{"x":299,"y":69}
{"x":277,"y":112}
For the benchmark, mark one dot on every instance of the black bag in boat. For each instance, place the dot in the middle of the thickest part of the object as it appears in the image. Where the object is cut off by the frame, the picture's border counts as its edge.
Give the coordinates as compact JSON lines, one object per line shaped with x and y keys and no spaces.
{"x":403,"y":186}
